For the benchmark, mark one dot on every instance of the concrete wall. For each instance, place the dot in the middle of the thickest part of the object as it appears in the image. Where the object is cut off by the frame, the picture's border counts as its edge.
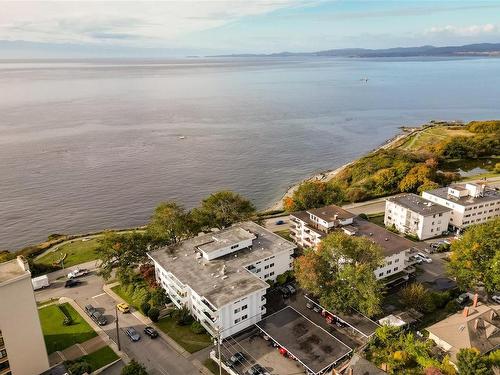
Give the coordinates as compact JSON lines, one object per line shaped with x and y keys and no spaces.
{"x":20,"y":326}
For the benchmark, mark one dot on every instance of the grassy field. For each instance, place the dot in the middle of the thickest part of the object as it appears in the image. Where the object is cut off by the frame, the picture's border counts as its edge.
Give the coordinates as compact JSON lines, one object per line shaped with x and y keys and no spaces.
{"x":433,"y":135}
{"x":285,"y":234}
{"x":77,"y":252}
{"x":100,"y":358}
{"x":213,"y":367}
{"x":56,"y":335}
{"x":183,"y":335}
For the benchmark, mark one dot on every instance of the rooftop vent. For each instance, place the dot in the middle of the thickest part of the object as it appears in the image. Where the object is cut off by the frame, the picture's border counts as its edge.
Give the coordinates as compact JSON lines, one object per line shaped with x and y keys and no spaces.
{"x":225,"y":277}
{"x":387,"y":239}
{"x":371,"y":233}
{"x":174,"y":258}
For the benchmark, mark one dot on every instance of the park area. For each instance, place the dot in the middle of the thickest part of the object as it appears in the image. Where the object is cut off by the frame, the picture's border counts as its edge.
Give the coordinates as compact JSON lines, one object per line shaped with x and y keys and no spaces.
{"x":183,"y":335}
{"x":73,"y":253}
{"x":59,"y":336}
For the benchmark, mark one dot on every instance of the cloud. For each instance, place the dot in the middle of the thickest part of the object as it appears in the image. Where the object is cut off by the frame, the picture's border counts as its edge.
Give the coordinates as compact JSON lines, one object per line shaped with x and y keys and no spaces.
{"x":472,"y":30}
{"x":151,"y":23}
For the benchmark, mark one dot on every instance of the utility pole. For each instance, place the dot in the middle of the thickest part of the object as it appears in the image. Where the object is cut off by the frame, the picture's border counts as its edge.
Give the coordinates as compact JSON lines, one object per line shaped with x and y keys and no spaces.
{"x":117,"y":330}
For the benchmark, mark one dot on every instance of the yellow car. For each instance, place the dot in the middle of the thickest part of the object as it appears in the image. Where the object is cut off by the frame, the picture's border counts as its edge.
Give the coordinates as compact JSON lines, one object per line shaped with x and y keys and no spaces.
{"x":123,"y":307}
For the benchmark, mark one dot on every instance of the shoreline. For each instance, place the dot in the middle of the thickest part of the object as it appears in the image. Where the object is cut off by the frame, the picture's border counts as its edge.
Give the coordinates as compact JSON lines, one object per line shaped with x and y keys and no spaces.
{"x":327,"y":175}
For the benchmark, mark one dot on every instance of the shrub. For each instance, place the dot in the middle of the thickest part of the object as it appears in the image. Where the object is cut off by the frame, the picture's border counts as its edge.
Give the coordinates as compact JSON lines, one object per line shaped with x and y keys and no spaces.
{"x":451,"y":306}
{"x":79,"y":367}
{"x":145,"y":307}
{"x":154,"y":314}
{"x":284,"y":277}
{"x":134,"y":368}
{"x":182,"y":317}
{"x":196,"y":327}
{"x":363,"y":216}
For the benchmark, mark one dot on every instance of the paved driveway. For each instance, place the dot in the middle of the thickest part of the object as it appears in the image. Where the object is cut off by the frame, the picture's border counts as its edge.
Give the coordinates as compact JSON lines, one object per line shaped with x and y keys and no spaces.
{"x":157,"y":355}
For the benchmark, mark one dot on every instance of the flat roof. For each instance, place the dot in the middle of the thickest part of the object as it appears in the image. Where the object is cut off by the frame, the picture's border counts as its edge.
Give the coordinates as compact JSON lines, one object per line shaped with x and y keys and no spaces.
{"x":488,"y":195}
{"x":10,"y":270}
{"x":314,"y":347}
{"x":205,"y":276}
{"x":418,"y":204}
{"x":220,"y":240}
{"x":331,"y":213}
{"x":354,"y":319}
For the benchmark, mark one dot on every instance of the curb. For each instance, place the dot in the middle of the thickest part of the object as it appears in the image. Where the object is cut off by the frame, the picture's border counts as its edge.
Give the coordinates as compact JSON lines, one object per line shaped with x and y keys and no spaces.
{"x":179,"y":349}
{"x":105,"y":367}
{"x":100,"y":332}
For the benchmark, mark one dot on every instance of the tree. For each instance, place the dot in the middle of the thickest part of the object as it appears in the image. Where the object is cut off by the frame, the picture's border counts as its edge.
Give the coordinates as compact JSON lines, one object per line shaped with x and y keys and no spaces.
{"x":416,"y":296}
{"x":122,"y":252}
{"x":134,"y":368}
{"x":79,"y":367}
{"x":153,"y":314}
{"x":475,"y":259}
{"x":169,"y":224}
{"x":221,"y":209}
{"x":145,"y":307}
{"x":471,"y":362}
{"x":341,"y":273}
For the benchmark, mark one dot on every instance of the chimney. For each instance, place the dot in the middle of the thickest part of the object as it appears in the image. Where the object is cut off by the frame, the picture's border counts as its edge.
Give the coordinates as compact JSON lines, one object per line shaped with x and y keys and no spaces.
{"x":474,"y":303}
{"x":466,"y":312}
{"x":476,"y":324}
{"x":23,"y":263}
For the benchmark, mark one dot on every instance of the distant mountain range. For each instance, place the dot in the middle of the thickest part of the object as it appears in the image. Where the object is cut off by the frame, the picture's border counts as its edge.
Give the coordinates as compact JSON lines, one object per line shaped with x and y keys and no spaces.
{"x":482,"y":49}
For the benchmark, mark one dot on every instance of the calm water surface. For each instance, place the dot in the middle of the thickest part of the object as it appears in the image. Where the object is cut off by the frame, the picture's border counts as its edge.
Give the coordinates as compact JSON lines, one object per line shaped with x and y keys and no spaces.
{"x":86,"y":145}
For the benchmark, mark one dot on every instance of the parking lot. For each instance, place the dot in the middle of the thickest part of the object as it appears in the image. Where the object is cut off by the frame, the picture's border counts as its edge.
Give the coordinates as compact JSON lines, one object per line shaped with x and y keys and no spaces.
{"x":156,"y":354}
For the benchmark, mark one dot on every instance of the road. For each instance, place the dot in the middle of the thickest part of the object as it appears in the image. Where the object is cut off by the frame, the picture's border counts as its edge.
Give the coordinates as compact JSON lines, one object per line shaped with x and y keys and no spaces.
{"x":157,"y":355}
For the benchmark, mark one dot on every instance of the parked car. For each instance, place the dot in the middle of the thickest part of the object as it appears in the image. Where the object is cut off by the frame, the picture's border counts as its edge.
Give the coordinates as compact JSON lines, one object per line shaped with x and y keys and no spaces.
{"x":462,"y":299}
{"x":151,"y":332}
{"x":284,"y":291}
{"x":291,"y":288}
{"x":89,"y":309}
{"x":280,"y":222}
{"x":40,"y":282}
{"x":496,"y":297}
{"x":424,"y":257}
{"x":99,"y":318}
{"x":236,"y":359}
{"x":316,"y":308}
{"x":71,"y":283}
{"x":256,"y":370}
{"x":416,"y":259}
{"x":133,"y":334}
{"x":123,"y":307}
{"x":79,"y":272}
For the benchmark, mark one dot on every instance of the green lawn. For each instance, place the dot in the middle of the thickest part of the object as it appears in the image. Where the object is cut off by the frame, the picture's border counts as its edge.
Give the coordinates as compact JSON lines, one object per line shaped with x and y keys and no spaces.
{"x":100,"y":358}
{"x":433,"y":135}
{"x":183,"y":335}
{"x":56,"y":335}
{"x":213,"y":367}
{"x":285,"y":234}
{"x":77,"y":252}
{"x":377,"y":219}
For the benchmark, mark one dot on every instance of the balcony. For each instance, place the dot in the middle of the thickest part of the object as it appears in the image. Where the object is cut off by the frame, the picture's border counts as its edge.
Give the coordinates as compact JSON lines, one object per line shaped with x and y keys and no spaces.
{"x":208,"y":326}
{"x":210,"y":317}
{"x":207,"y":304}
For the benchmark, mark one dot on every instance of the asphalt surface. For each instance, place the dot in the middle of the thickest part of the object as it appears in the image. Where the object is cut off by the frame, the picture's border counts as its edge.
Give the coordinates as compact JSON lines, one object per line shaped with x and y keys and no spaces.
{"x":157,"y":355}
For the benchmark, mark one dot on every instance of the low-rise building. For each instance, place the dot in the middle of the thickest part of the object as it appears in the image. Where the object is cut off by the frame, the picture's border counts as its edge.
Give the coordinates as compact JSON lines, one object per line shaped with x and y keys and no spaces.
{"x":22,"y":347}
{"x":477,"y":327}
{"x":307,"y":228}
{"x":414,"y":215}
{"x":221,"y":277}
{"x":470,"y":203}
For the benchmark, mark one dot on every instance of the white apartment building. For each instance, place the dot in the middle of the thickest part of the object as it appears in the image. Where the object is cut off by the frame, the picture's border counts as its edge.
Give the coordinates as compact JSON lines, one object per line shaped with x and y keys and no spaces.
{"x":470,"y":203}
{"x":221,"y":277}
{"x":22,"y":347}
{"x":414,"y":215}
{"x":307,"y":228}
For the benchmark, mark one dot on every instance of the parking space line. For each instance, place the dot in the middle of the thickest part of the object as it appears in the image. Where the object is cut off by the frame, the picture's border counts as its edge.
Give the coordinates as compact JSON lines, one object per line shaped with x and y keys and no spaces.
{"x":99,"y":295}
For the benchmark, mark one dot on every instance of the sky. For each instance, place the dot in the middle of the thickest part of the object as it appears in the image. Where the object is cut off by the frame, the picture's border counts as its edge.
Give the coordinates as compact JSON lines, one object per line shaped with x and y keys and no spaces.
{"x":180,"y":28}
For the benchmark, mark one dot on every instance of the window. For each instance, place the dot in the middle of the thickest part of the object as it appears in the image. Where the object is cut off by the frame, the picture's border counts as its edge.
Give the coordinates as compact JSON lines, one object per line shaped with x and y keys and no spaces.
{"x":266,"y":266}
{"x":3,"y":353}
{"x":244,"y":307}
{"x":271,"y":264}
{"x":236,"y":321}
{"x":266,"y":276}
{"x":397,"y":260}
{"x":388,"y":272}
{"x":244,"y":317}
{"x":389,"y":262}
{"x":271,"y":274}
{"x":236,"y":311}
{"x":380,"y":274}
{"x":396,"y":268}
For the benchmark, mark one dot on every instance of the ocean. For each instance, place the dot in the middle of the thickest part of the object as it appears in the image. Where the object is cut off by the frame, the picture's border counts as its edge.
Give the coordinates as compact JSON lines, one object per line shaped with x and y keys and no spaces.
{"x":93,"y":144}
